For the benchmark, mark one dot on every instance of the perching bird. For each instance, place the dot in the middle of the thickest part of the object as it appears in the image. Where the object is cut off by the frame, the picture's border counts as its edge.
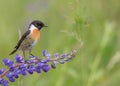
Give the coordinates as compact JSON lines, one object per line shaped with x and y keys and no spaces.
{"x":29,"y":38}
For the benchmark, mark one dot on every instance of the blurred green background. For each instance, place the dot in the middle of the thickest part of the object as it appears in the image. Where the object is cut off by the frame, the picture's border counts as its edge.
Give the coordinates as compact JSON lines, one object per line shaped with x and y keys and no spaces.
{"x":90,"y":26}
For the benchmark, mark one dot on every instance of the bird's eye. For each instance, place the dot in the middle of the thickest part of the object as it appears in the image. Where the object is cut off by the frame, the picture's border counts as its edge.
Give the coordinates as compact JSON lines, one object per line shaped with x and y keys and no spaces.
{"x":38,"y":24}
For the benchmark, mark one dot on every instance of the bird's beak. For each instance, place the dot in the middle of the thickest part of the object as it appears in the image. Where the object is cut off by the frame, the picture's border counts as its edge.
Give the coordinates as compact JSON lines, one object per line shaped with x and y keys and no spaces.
{"x":45,"y":26}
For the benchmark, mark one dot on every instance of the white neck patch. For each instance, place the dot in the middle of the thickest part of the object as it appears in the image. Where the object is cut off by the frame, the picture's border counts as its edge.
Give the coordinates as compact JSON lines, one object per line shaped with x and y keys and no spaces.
{"x":32,"y":27}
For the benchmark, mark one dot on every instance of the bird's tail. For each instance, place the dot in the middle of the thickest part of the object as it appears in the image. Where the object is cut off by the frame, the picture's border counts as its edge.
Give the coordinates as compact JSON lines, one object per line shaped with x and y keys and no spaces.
{"x":13,"y":52}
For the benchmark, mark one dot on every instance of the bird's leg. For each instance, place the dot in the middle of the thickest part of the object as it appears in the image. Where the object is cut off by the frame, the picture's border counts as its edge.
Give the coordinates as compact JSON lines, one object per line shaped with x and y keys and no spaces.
{"x":31,"y":53}
{"x":24,"y":53}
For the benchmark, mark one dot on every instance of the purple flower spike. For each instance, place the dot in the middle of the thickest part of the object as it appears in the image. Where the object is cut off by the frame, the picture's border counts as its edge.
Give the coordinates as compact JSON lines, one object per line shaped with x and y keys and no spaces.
{"x":8,"y":62}
{"x":22,"y":67}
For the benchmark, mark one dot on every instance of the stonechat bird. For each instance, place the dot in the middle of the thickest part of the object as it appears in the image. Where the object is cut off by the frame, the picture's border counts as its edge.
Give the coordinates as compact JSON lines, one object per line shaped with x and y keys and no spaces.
{"x":29,"y":38}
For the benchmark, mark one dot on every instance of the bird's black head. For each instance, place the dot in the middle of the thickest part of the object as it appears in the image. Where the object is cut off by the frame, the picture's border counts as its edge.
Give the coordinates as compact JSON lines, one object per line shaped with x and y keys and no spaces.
{"x":38,"y":24}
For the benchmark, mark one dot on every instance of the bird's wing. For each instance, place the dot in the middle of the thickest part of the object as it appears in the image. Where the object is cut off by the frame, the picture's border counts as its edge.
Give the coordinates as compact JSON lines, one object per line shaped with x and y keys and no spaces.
{"x":22,"y":38}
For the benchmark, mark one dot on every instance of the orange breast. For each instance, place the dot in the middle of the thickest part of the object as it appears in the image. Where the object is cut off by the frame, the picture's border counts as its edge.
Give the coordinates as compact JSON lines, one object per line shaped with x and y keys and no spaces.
{"x":35,"y":35}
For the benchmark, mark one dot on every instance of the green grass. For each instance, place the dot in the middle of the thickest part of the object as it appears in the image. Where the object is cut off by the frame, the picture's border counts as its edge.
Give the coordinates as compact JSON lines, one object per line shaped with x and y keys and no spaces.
{"x":91,"y":27}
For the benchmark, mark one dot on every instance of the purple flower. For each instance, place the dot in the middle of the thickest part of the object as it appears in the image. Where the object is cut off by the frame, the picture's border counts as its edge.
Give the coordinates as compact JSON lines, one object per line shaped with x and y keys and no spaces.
{"x":46,"y":68}
{"x":8,"y":62}
{"x":40,"y":64}
{"x":44,"y":52}
{"x":1,"y":71}
{"x":23,"y":66}
{"x":23,"y":72}
{"x":10,"y":76}
{"x":53,"y":66}
{"x":56,"y":54}
{"x":30,"y":61}
{"x":31,"y":69}
{"x":3,"y":82}
{"x":38,"y":69}
{"x":19,"y":59}
{"x":17,"y":72}
{"x":45,"y":60}
{"x":48,"y":55}
{"x":61,"y":61}
{"x":11,"y":68}
{"x":12,"y":79}
{"x":63,"y":56}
